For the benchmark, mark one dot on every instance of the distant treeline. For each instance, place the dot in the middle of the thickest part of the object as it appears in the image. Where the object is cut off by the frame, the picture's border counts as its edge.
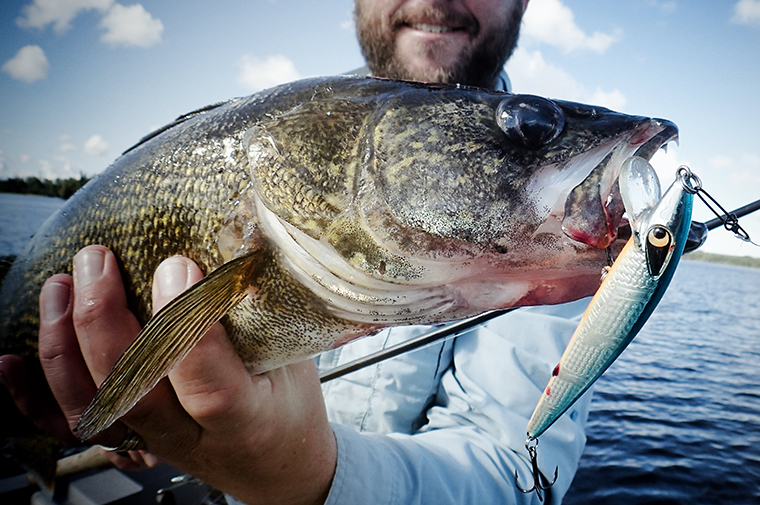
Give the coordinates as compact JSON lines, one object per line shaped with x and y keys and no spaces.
{"x":62,"y":188}
{"x":744,"y":261}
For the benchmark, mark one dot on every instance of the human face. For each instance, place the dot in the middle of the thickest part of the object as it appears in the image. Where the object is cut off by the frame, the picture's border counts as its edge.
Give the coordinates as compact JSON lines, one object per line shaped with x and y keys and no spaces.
{"x":455,"y":41}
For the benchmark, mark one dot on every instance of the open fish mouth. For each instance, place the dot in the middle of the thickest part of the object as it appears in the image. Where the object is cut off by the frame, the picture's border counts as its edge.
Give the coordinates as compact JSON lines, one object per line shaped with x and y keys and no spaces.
{"x":594,"y":211}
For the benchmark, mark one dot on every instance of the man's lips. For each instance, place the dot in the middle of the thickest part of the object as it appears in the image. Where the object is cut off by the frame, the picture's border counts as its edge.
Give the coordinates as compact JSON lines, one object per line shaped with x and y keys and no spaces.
{"x":434,"y":28}
{"x":434,"y":20}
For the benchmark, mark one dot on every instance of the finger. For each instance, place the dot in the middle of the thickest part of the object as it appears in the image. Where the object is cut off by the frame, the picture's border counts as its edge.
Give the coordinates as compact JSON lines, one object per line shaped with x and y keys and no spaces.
{"x":32,"y":397}
{"x":212,"y":379}
{"x":105,"y":327}
{"x":60,"y":356}
{"x":65,"y":369}
{"x":104,"y":324}
{"x":159,"y":417}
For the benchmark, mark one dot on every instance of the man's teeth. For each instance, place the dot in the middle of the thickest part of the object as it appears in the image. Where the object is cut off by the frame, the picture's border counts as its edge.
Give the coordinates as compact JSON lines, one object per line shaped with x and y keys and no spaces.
{"x":432,"y":28}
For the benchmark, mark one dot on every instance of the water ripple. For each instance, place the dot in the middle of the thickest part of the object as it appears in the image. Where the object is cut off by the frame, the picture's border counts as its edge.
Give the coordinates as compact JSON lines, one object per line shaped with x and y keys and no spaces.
{"x":676,"y":420}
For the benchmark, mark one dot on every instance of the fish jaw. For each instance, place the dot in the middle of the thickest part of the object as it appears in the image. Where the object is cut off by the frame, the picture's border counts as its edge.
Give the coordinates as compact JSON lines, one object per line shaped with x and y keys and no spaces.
{"x":593,"y":210}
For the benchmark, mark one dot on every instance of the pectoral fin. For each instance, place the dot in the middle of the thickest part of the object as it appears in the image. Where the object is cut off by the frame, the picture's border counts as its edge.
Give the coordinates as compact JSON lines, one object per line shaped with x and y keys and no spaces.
{"x":165,"y":341}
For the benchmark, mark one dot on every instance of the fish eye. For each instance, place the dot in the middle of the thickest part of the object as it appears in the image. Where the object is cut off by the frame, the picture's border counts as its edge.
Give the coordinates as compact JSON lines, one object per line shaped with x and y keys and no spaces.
{"x":529,"y":120}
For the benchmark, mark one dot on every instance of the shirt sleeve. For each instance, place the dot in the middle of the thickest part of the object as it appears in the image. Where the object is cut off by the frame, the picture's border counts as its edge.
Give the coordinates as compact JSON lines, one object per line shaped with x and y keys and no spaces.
{"x":473,"y":441}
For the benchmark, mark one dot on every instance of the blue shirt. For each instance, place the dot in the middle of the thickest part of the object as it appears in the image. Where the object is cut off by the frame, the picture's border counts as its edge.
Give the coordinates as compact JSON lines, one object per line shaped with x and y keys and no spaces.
{"x":447,"y":424}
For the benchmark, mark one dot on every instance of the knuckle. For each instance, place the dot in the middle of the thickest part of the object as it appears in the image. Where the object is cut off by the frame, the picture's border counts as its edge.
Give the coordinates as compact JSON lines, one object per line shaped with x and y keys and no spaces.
{"x":88,"y":310}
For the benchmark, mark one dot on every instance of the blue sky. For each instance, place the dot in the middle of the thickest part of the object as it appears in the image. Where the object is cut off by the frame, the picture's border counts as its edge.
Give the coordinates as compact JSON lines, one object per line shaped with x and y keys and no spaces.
{"x":82,"y":80}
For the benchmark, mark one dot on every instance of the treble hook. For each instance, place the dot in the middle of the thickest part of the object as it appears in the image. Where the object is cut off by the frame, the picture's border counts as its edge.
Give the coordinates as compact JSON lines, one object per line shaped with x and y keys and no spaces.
{"x":540,"y":483}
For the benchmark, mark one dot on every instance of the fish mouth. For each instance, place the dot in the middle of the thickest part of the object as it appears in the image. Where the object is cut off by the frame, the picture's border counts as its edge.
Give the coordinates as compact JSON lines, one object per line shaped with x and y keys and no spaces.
{"x":668,"y":132}
{"x":594,"y":210}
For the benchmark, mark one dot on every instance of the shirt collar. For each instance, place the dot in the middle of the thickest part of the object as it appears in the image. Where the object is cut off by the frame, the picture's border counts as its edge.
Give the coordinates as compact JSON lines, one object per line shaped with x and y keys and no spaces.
{"x":502,"y":80}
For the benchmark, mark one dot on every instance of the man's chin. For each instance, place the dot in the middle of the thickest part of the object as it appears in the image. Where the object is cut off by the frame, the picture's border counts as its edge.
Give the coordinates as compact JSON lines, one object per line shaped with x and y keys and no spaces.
{"x":429,"y":65}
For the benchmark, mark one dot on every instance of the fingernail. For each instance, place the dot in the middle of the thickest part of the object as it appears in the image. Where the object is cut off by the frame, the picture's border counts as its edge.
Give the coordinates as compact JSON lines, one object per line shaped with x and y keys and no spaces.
{"x":171,"y":276}
{"x":150,"y":460}
{"x":54,"y":300}
{"x":88,"y":266}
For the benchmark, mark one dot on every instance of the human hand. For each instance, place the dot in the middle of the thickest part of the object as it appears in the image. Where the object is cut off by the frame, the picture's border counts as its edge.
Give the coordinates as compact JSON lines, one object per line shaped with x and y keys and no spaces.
{"x":262,"y":439}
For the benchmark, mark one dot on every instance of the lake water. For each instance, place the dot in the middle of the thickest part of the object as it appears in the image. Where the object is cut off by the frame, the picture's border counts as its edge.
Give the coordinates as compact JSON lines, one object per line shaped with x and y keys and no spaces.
{"x":676,"y":420}
{"x":21,"y":215}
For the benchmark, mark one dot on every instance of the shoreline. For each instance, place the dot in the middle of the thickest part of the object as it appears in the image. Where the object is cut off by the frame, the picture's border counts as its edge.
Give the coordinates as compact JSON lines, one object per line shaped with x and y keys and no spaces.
{"x":724,"y":259}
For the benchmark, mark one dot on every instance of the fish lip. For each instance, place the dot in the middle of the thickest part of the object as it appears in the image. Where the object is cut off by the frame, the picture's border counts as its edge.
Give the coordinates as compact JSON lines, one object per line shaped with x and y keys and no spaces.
{"x":668,"y":132}
{"x":646,"y":138}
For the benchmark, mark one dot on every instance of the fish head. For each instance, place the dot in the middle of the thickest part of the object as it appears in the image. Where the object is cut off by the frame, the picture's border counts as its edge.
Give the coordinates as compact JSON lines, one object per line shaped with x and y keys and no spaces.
{"x":484,"y":199}
{"x":505,"y":169}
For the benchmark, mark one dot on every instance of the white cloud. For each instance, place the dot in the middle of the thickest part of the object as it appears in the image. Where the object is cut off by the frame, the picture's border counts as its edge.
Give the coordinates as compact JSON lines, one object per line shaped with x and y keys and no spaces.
{"x":59,"y":13}
{"x":720,"y":162}
{"x":131,"y":26}
{"x":349,"y":23}
{"x":745,"y":172}
{"x":30,"y":64}
{"x":531,"y":73}
{"x":257,"y":74}
{"x":552,"y":22}
{"x":665,"y":163}
{"x":614,"y":99}
{"x":96,"y":146}
{"x":46,"y":170}
{"x":66,"y":147}
{"x":24,"y":159}
{"x":65,"y":168}
{"x":747,"y":12}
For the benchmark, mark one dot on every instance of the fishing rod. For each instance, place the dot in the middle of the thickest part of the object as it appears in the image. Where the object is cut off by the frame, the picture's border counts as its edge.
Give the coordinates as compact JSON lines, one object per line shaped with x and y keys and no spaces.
{"x":740,"y":212}
{"x":729,"y":220}
{"x":440,"y":335}
{"x":697,"y":236}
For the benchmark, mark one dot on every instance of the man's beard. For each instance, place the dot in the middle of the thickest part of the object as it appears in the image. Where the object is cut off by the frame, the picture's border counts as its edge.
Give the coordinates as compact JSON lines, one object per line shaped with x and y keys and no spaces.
{"x":476,"y":66}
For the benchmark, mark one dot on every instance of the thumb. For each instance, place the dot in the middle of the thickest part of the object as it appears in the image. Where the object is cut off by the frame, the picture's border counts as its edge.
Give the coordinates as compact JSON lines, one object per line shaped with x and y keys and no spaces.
{"x":212,"y":379}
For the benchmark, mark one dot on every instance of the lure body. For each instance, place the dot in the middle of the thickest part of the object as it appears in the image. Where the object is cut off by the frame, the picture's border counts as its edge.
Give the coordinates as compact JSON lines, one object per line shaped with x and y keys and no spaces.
{"x":629,"y":292}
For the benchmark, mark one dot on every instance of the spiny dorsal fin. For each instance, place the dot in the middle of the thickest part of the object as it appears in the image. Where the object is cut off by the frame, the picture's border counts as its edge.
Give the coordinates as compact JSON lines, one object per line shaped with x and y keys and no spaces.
{"x":165,"y":341}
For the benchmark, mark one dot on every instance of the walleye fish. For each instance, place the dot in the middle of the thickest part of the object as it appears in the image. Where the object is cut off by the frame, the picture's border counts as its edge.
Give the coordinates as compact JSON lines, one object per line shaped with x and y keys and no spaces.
{"x":628,"y":295}
{"x":326,"y":209}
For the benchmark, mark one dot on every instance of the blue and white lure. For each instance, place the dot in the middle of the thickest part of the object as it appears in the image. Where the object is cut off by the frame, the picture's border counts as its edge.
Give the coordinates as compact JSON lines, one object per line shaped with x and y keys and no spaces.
{"x":630,"y":290}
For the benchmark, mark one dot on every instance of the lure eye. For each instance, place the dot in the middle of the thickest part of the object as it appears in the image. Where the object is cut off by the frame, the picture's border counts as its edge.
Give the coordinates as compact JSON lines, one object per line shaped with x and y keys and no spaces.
{"x":658,"y":237}
{"x":529,"y":120}
{"x":659,"y":248}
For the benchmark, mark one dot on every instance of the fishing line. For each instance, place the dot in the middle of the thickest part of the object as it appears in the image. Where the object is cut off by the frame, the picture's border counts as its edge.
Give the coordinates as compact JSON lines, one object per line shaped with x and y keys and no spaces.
{"x":729,"y":220}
